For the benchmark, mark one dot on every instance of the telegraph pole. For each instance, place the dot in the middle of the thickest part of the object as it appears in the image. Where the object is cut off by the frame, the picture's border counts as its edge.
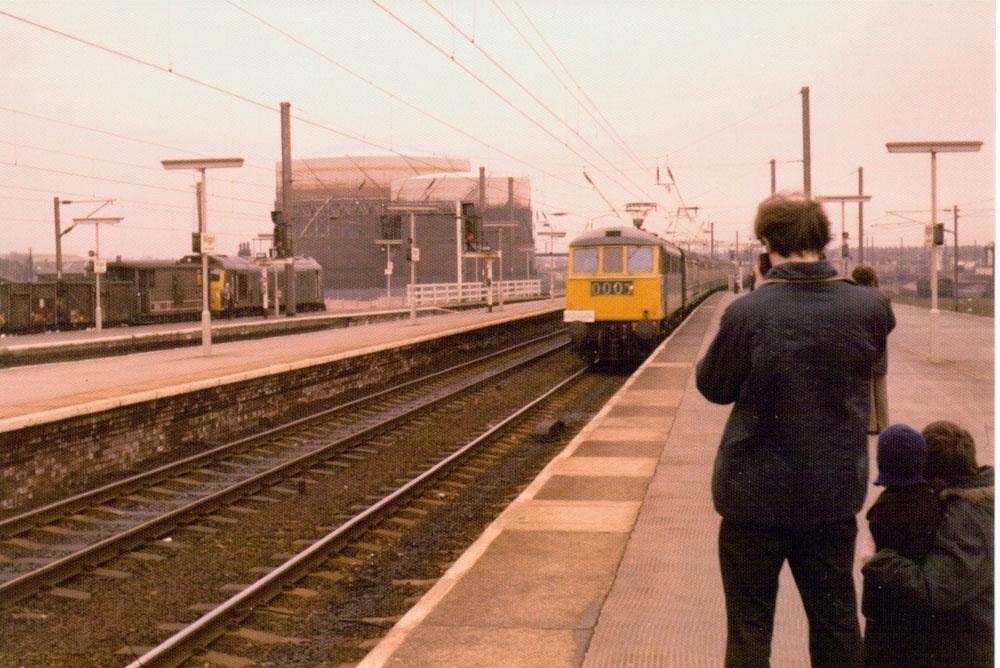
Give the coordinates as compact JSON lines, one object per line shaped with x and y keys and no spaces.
{"x":55,"y":205}
{"x":954,"y":280}
{"x":861,"y":216}
{"x":286,"y":205}
{"x":774,"y":182}
{"x":806,"y":153}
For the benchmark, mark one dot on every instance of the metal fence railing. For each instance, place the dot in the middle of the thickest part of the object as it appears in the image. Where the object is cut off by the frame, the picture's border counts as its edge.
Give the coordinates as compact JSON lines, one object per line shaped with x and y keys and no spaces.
{"x":427,"y":294}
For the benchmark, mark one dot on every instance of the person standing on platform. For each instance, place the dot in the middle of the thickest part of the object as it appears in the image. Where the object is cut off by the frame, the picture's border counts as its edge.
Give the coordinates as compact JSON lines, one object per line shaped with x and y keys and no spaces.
{"x":953,"y":583}
{"x":791,"y":473}
{"x":879,"y":398}
{"x":227,"y":300}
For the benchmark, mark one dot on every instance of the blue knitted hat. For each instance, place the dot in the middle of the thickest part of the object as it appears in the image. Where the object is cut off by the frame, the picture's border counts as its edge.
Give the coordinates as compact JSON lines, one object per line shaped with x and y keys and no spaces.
{"x":902,"y":454}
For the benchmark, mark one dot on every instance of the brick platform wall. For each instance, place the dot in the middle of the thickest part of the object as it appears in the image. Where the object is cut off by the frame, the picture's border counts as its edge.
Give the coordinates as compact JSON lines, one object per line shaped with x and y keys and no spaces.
{"x":45,"y":462}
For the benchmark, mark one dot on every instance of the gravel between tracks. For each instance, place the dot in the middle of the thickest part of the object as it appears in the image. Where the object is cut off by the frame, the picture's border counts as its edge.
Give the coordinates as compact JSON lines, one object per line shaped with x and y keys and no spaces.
{"x":162,"y":583}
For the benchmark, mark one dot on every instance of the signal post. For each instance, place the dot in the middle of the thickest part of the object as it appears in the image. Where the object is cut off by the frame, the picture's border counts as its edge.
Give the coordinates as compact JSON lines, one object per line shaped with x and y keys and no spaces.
{"x":413,"y":209}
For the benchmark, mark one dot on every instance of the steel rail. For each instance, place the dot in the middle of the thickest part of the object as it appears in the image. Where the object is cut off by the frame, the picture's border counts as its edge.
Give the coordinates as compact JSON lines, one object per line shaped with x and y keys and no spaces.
{"x":28,"y":520}
{"x":179,"y":647}
{"x":59,"y":570}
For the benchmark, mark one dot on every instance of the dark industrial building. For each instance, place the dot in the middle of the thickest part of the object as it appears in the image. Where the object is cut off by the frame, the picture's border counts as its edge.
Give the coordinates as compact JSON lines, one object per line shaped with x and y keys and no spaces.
{"x":338,"y":204}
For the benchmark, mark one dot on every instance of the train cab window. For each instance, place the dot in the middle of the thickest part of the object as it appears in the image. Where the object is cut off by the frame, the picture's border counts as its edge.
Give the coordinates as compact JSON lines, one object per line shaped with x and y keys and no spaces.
{"x":613,"y":260}
{"x":640,"y":259}
{"x":585,"y":260}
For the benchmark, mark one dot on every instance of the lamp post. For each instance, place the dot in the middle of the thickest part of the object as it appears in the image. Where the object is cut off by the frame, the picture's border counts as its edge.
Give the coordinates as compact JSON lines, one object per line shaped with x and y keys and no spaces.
{"x":201,"y":164}
{"x":843,"y":199}
{"x":552,"y":233}
{"x":99,"y":265}
{"x":934,"y":147}
{"x":499,"y":228}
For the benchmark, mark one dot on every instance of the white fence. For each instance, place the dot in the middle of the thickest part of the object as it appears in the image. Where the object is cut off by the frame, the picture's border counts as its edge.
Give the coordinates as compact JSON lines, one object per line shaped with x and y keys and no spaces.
{"x":425,"y":294}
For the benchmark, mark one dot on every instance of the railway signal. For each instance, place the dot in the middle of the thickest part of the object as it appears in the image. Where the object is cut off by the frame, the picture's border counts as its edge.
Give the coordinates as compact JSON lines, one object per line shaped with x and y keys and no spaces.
{"x":471,"y":228}
{"x":280,"y":234}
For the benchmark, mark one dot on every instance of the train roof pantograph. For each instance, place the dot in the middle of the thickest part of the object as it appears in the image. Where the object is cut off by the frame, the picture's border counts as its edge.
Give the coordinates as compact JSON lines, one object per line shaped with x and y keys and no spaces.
{"x":624,"y":235}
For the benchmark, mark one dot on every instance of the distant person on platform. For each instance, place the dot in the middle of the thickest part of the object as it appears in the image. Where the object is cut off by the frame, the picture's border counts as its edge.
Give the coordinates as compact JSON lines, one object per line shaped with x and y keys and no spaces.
{"x":791,"y":473}
{"x":953,"y":582}
{"x":227,"y":300}
{"x":879,"y":398}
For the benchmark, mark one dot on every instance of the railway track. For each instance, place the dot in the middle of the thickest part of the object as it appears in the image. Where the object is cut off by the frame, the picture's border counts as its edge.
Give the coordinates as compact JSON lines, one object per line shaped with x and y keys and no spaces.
{"x":116,"y":613}
{"x":49,"y":545}
{"x":221,"y":619}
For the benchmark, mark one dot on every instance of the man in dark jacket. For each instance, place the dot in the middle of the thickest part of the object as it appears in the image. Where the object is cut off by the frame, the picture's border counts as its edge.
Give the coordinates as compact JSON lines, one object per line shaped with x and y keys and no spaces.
{"x":796,"y":356}
{"x":953,"y":583}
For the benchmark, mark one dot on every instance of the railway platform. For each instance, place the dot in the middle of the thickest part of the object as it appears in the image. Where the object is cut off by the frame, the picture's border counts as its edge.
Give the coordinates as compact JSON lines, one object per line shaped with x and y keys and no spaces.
{"x":55,"y":346}
{"x":609,"y":557}
{"x":69,"y":426}
{"x":46,"y":392}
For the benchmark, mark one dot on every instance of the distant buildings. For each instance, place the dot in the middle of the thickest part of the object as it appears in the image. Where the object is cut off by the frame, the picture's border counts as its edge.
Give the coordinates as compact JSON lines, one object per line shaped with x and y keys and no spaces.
{"x":338,"y":203}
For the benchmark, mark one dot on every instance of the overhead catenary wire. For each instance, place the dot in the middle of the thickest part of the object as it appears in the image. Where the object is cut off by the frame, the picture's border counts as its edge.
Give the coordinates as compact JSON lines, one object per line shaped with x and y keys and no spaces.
{"x":196,"y":81}
{"x":604,"y":121}
{"x":118,"y":135}
{"x":22,"y":165}
{"x":493,"y":90}
{"x":123,"y":164}
{"x":393,"y":96}
{"x":541,"y":103}
{"x":214,"y":87}
{"x":210,"y":86}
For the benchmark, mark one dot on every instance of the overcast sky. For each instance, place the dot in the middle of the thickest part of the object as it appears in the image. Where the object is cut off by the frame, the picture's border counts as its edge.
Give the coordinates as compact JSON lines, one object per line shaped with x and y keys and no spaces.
{"x":616,"y":89}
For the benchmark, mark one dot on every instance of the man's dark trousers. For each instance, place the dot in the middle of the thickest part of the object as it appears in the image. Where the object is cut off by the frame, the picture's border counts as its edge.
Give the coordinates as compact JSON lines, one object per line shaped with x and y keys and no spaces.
{"x":821,"y":560}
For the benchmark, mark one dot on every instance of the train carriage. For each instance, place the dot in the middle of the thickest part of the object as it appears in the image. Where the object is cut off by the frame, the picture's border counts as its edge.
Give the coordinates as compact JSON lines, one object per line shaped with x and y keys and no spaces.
{"x":161,"y":289}
{"x":144,"y":291}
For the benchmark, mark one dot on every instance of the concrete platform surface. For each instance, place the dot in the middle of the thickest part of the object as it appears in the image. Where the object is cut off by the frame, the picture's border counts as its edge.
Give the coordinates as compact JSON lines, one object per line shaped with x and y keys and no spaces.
{"x":45,"y":392}
{"x":609,"y":557}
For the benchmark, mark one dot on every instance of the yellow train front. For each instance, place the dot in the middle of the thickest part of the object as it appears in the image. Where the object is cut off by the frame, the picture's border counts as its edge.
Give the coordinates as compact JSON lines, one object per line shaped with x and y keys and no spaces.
{"x":626,"y":288}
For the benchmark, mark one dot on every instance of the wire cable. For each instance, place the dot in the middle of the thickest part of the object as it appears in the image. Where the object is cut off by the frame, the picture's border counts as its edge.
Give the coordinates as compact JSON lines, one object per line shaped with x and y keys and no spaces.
{"x":388,"y":93}
{"x":570,"y":75}
{"x":117,"y":135}
{"x":123,"y":164}
{"x":490,"y":88}
{"x":210,"y":86}
{"x":602,"y":122}
{"x":472,"y":40}
{"x":128,"y":183}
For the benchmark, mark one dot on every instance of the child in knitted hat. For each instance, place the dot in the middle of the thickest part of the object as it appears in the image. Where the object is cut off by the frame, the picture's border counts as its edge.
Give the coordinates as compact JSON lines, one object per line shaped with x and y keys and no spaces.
{"x":951,"y":586}
{"x":903,"y":518}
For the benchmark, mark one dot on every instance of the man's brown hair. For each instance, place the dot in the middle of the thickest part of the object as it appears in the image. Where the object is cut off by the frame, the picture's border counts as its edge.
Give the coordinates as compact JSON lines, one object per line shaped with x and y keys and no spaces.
{"x":951,"y":452}
{"x":791,"y":223}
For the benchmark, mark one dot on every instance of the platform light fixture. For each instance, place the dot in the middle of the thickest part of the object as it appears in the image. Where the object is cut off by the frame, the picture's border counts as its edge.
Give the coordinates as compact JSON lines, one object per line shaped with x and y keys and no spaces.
{"x":552,"y":233}
{"x":934,"y":147}
{"x":202,"y":164}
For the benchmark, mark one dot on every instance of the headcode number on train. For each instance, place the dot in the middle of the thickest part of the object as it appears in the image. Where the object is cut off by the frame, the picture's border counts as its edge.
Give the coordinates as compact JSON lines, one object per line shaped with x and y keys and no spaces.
{"x":602,"y":288}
